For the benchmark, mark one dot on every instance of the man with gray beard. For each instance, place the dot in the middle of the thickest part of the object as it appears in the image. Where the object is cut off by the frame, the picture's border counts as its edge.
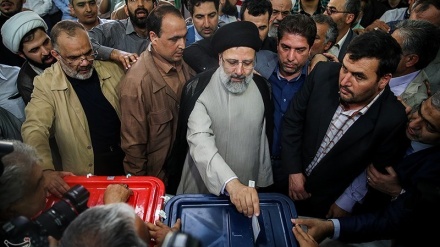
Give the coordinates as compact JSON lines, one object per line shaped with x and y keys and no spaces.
{"x":76,"y":100}
{"x":224,"y":122}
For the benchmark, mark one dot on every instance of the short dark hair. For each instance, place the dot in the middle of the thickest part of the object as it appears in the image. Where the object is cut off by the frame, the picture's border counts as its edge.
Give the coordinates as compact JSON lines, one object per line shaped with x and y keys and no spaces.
{"x":332,"y":33}
{"x":298,"y":24}
{"x":376,"y":44}
{"x":197,"y":3}
{"x":66,"y":26}
{"x":353,"y":7}
{"x":29,"y":36}
{"x":419,"y":37}
{"x":154,"y":19}
{"x":423,"y":5}
{"x":256,"y":8}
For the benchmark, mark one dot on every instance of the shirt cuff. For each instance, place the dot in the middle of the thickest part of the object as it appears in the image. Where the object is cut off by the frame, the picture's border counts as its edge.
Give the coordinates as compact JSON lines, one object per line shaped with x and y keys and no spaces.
{"x":223,"y":191}
{"x":336,"y":228}
{"x":346,"y":203}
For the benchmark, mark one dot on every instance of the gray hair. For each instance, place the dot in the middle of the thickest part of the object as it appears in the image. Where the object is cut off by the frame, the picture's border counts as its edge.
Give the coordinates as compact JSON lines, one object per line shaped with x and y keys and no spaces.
{"x":17,"y":171}
{"x":65,"y":26}
{"x":111,"y":225}
{"x":419,"y":37}
{"x":332,"y":32}
{"x":435,"y":100}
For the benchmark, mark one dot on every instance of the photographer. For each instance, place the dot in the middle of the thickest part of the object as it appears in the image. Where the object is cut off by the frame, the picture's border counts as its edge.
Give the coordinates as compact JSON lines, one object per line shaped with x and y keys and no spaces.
{"x":23,"y":192}
{"x":22,"y":185}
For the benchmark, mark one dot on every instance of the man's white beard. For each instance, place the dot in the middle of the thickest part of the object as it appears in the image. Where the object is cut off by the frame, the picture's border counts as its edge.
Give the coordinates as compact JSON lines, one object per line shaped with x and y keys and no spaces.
{"x":234,"y":87}
{"x":75,"y":74}
{"x":273,"y":31}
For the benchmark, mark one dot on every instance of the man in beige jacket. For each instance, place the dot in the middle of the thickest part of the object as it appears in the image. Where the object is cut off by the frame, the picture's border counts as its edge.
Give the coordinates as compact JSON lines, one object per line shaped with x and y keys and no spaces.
{"x":76,"y":101}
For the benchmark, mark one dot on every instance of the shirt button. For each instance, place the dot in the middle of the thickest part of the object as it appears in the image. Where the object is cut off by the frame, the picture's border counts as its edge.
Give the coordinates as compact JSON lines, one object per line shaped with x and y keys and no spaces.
{"x":284,"y":100}
{"x":90,"y":165}
{"x":89,"y":147}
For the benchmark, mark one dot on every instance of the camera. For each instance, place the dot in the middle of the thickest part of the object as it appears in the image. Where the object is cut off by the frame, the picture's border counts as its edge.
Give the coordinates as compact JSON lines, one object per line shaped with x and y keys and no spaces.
{"x":180,"y":239}
{"x":51,"y":222}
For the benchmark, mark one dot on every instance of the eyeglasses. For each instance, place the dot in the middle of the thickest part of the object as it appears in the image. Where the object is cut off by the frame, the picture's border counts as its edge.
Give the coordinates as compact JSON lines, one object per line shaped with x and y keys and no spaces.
{"x":333,"y":10}
{"x":429,"y":126}
{"x":77,"y":60}
{"x":234,"y":63}
{"x":283,"y":13}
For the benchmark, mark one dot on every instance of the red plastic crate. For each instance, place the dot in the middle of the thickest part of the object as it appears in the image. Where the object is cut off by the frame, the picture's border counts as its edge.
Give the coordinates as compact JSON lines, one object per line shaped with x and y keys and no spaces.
{"x":147,"y":199}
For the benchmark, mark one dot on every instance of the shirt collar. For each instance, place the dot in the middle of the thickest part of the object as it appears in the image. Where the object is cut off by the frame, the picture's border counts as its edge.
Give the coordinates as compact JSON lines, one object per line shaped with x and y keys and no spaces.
{"x":303,"y":73}
{"x":341,"y":42}
{"x":197,"y":35}
{"x":2,"y":75}
{"x":129,"y":29}
{"x":162,"y":63}
{"x":404,"y":79}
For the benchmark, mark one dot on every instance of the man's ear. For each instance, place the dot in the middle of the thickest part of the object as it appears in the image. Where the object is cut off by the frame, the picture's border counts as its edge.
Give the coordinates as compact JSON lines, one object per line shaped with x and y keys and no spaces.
{"x":55,"y":54}
{"x":126,"y":10}
{"x":349,"y":18}
{"x":384,"y":80}
{"x":153,"y":36}
{"x":21,"y":54}
{"x":411,"y":60}
{"x":327,"y":46}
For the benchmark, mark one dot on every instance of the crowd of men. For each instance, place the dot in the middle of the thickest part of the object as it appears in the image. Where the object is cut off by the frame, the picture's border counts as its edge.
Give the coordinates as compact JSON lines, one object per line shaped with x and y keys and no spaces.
{"x":335,"y":104}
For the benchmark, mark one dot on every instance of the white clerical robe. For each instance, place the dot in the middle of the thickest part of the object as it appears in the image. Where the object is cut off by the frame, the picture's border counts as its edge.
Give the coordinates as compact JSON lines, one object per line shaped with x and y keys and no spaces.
{"x":226,"y":137}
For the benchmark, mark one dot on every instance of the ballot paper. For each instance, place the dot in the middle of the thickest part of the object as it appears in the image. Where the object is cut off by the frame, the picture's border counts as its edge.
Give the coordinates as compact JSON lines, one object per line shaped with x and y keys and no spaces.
{"x":255,"y":225}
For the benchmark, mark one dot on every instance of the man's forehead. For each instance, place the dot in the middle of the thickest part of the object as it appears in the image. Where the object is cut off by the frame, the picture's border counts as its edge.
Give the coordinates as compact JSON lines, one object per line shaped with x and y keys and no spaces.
{"x":205,"y":6}
{"x":363,"y":65}
{"x":239,"y":52}
{"x":82,"y":1}
{"x":281,"y":4}
{"x":260,"y":18}
{"x":336,"y":3}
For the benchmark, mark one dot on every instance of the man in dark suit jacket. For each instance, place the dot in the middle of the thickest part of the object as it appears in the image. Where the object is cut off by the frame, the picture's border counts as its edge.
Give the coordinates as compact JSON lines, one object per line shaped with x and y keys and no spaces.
{"x":345,"y":14}
{"x":344,"y":118}
{"x":414,"y":184}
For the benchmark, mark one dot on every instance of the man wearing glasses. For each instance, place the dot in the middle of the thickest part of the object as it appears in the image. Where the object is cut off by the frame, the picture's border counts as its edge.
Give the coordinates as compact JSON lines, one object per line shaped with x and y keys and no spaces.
{"x":345,"y":14}
{"x":224,"y":122}
{"x":76,"y":101}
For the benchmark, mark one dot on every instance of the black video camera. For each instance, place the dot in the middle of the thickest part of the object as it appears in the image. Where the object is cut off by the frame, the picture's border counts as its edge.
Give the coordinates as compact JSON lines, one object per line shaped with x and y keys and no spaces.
{"x":51,"y":222}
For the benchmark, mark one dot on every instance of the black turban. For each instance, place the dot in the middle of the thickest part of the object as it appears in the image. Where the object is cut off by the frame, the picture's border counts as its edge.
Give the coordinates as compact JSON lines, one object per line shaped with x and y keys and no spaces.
{"x":236,"y":34}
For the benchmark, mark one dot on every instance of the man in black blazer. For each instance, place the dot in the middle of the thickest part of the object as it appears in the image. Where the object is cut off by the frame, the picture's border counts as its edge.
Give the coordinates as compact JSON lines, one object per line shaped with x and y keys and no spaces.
{"x":344,"y":13}
{"x":344,"y":118}
{"x":414,"y":184}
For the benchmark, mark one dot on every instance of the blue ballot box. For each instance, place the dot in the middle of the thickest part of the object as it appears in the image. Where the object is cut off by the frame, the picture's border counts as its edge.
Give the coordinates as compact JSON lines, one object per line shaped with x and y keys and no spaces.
{"x":215,"y":221}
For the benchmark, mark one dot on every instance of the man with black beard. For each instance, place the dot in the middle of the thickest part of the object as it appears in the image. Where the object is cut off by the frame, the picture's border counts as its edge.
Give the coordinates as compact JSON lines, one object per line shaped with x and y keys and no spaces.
{"x":123,"y":40}
{"x":76,"y":101}
{"x":8,"y":8}
{"x":225,"y":113}
{"x":228,"y":11}
{"x":25,"y":34}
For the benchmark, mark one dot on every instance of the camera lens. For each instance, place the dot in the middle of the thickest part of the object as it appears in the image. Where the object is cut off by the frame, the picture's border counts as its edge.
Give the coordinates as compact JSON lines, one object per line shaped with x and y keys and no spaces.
{"x":56,"y":219}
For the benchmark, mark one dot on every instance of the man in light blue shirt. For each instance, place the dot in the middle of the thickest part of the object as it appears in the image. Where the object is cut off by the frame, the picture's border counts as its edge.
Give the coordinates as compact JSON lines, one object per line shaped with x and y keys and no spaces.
{"x":204,"y":15}
{"x":10,"y":99}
